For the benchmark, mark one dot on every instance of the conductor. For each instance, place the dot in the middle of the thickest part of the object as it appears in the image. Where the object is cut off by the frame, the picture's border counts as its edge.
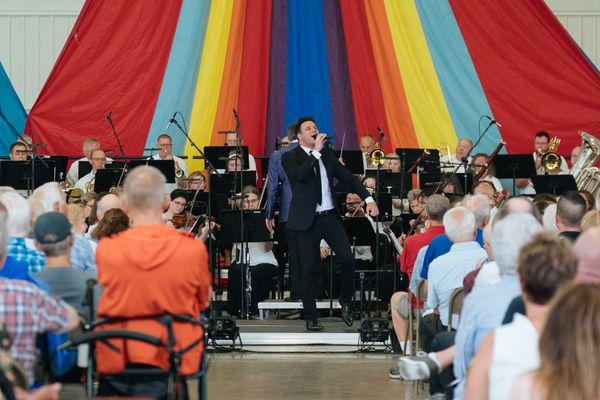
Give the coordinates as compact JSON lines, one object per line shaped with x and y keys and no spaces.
{"x":311,"y":169}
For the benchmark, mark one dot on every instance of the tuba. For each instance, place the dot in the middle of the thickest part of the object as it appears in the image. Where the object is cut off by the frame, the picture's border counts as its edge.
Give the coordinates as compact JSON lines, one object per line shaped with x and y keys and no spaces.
{"x":585,"y":172}
{"x":551,"y":160}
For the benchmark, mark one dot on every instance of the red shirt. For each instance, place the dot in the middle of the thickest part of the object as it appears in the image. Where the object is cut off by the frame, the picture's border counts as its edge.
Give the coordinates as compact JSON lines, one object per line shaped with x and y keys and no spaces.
{"x":415,"y":243}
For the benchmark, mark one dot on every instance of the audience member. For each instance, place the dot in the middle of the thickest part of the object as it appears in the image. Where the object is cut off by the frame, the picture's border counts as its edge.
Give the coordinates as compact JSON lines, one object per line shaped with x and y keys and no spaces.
{"x":546,"y":263}
{"x":589,"y":199}
{"x":53,"y":237}
{"x":569,"y":212}
{"x":588,"y":253}
{"x":19,"y":217}
{"x":569,"y":346}
{"x":446,"y":272}
{"x":104,"y":201}
{"x":49,"y":197}
{"x":149,"y":269}
{"x":589,"y":220}
{"x":27,"y":311}
{"x":113,"y":222}
{"x":76,"y":217}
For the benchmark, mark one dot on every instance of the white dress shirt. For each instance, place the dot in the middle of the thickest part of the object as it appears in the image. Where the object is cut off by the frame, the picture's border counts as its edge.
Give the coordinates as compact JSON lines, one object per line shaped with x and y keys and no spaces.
{"x":180,"y":162}
{"x":448,"y":165}
{"x":80,"y":184}
{"x":529,"y":189}
{"x":73,"y":174}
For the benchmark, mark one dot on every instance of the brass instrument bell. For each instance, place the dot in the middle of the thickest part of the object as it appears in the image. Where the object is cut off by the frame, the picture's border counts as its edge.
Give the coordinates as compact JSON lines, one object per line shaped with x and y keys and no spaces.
{"x":551,"y":160}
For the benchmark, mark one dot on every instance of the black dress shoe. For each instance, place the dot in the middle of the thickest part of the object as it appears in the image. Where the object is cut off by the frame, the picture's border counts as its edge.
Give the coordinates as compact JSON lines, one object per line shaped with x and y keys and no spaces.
{"x":314,"y":325}
{"x":347,"y":314}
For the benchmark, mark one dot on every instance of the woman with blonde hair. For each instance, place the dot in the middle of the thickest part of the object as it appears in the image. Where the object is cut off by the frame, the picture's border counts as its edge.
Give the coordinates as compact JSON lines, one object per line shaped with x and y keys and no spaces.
{"x":569,"y":348}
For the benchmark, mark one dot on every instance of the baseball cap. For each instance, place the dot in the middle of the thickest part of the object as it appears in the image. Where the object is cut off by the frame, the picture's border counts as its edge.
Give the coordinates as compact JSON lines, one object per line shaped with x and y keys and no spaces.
{"x":51,"y":227}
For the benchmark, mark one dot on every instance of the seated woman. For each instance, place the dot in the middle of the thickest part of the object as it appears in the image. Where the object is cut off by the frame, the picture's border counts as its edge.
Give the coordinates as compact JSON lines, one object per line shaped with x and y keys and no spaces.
{"x":176,"y":206}
{"x":263,"y":266}
{"x":114,"y":221}
{"x":195,"y":181}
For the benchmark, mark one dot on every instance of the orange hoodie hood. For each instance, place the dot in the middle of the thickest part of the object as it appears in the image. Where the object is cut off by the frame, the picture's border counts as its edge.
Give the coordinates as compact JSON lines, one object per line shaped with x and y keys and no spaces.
{"x":150,"y":246}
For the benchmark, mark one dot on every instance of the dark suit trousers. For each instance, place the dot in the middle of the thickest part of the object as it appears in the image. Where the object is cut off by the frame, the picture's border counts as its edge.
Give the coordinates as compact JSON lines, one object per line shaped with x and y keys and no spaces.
{"x":330,"y":228}
{"x":291,"y":238}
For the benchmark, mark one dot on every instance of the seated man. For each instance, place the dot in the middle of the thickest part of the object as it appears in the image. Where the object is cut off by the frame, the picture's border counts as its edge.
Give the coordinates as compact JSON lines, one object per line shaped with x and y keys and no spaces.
{"x":53,"y":237}
{"x":149,"y":269}
{"x":98,"y":161}
{"x":231,"y":140}
{"x":89,"y":145}
{"x":27,"y":310}
{"x":447,"y":272}
{"x":18,"y":152}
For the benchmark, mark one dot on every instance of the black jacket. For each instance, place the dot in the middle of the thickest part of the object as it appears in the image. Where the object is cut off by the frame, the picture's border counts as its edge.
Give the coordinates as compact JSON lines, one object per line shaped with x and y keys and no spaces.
{"x":300,"y":170}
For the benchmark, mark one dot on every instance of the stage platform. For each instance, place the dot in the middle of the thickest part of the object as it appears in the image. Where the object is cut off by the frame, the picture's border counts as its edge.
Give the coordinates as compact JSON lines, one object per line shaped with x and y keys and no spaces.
{"x":291,"y":336}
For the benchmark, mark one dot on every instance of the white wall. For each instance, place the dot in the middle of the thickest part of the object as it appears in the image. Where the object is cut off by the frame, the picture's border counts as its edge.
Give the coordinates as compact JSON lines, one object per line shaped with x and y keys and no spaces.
{"x":32,"y":35}
{"x":33,"y":32}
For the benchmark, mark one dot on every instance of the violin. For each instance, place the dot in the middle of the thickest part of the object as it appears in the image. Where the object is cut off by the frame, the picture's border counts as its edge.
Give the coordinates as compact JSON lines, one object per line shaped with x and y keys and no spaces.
{"x":185,"y":220}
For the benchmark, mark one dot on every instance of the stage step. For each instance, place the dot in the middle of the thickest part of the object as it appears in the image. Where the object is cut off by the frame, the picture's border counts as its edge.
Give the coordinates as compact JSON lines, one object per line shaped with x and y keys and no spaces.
{"x":264,"y":307}
{"x":292,"y":336}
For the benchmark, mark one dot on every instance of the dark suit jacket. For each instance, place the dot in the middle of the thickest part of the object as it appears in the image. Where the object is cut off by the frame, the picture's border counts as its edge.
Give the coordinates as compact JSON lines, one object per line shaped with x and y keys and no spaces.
{"x":300,"y":170}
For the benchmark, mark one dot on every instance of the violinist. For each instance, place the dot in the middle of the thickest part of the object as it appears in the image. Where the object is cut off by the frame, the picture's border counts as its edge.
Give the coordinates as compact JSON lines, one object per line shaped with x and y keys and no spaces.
{"x":176,"y":208}
{"x":354,"y":206}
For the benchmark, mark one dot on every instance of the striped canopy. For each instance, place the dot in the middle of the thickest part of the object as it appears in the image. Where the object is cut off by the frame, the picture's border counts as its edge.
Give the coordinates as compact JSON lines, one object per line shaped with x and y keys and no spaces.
{"x":424,"y":71}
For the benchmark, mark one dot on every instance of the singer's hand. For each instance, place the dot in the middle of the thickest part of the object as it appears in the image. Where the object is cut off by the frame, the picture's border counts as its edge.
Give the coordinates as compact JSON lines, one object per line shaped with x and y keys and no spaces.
{"x":342,"y":161}
{"x":319,"y":142}
{"x":372,"y":209}
{"x":270,"y":224}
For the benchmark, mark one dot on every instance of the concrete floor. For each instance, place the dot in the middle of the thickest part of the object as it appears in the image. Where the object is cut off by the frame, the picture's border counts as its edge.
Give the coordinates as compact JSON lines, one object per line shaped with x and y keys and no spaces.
{"x":305,"y":376}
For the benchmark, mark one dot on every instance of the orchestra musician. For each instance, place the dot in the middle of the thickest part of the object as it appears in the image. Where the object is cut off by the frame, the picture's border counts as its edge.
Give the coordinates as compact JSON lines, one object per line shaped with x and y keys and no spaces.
{"x":463,"y":147}
{"x":541,"y":144}
{"x":479,"y":161}
{"x":195,"y":181}
{"x":311,"y":169}
{"x":98,"y":161}
{"x":231,"y":140}
{"x":367,"y":145}
{"x":18,"y":151}
{"x":165,"y":144}
{"x":176,"y":206}
{"x":88,"y":146}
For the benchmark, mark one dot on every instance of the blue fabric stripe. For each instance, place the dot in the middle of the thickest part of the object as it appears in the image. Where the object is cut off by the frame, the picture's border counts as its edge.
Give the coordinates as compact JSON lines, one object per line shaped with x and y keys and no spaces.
{"x":460,"y":83}
{"x":179,"y":83}
{"x":307,"y":75}
{"x":12,"y":113}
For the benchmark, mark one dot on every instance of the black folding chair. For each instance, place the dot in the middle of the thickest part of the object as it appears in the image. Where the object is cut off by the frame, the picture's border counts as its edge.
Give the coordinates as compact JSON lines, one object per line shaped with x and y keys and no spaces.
{"x":176,"y":382}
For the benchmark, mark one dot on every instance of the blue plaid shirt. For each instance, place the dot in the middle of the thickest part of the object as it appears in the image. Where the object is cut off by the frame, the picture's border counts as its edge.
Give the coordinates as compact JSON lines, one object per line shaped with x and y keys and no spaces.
{"x":82,"y":254}
{"x":18,"y":250}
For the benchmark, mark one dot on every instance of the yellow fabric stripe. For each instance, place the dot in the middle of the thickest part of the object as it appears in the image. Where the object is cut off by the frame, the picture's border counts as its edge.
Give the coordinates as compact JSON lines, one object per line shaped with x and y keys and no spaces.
{"x":208,"y":85}
{"x":426,"y":102}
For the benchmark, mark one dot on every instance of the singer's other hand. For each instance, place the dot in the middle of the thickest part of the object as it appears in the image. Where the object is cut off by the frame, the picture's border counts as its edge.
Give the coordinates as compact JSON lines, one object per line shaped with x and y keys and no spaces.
{"x":372,"y":209}
{"x":342,"y":161}
{"x":270,"y":224}
{"x":319,"y":141}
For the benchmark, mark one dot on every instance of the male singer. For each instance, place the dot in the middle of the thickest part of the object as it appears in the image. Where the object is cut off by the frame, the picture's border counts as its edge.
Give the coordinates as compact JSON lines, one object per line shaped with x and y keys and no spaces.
{"x":311,"y":169}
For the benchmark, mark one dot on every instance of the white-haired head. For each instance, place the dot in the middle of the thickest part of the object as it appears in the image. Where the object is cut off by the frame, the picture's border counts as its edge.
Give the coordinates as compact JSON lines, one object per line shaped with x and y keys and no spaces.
{"x":107,"y":202}
{"x":19,"y":214}
{"x":145,"y":189}
{"x":480,"y":207}
{"x":46,"y":198}
{"x":508,"y":236}
{"x":459,"y":225}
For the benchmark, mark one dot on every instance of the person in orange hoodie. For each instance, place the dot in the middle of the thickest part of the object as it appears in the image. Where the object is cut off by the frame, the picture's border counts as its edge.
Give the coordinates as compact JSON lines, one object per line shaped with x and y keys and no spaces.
{"x":149,"y":269}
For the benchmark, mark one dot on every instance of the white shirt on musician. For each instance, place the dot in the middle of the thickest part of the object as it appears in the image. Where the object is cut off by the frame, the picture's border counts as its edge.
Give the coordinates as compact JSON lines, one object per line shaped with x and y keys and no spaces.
{"x":447,"y":165}
{"x":180,"y":162}
{"x":83,"y":182}
{"x":494,"y":181}
{"x":73,"y":174}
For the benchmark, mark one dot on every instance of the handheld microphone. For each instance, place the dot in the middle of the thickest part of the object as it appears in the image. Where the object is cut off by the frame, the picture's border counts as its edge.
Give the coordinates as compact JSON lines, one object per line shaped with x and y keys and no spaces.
{"x":493,"y":121}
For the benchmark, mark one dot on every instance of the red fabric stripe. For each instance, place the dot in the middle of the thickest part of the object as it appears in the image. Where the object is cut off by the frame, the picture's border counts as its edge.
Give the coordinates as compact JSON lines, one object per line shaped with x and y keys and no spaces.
{"x":114,"y":60}
{"x":533,"y":74}
{"x":366,"y":91}
{"x":254,"y":83}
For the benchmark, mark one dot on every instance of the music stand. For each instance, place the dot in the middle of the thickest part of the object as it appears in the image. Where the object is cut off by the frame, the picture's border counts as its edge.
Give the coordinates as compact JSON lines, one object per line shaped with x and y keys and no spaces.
{"x":385,"y":207}
{"x":389,"y":182}
{"x":254,"y":230}
{"x":514,"y":166}
{"x":231,"y":182}
{"x":553,"y":184}
{"x":17,"y":174}
{"x":360,"y":233}
{"x":353,"y":160}
{"x":107,"y":178}
{"x":60,"y":162}
{"x":218,"y":155}
{"x":218,"y":203}
{"x":167,"y":167}
{"x":430,"y":163}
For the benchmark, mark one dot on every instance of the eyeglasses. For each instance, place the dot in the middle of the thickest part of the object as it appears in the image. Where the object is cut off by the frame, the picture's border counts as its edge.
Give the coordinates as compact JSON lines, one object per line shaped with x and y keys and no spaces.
{"x":180,"y":203}
{"x":99,"y":159}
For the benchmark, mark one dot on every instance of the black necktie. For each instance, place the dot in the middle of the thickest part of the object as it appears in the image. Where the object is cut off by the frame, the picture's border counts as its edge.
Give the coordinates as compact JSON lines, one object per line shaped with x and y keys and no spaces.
{"x":318,"y":175}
